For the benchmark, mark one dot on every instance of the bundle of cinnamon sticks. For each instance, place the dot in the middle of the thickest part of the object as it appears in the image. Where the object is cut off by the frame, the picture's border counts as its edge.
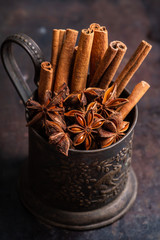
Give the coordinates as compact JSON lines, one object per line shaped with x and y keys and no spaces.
{"x":87,"y":71}
{"x":70,"y":64}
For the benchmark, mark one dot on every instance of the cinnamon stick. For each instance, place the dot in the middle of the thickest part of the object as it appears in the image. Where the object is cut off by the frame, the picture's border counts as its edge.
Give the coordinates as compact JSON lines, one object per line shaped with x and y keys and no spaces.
{"x":132,"y":66}
{"x":73,"y":59}
{"x":99,"y":47}
{"x":45,"y":82}
{"x":139,"y":90}
{"x":80,"y":70}
{"x":55,"y":51}
{"x":72,"y":66}
{"x":94,"y":26}
{"x":112,"y":68}
{"x":65,"y":59}
{"x":62,"y":34}
{"x":105,"y":63}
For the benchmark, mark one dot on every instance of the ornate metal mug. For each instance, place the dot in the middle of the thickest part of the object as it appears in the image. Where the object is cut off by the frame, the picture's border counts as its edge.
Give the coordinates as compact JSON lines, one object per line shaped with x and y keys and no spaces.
{"x":87,"y":189}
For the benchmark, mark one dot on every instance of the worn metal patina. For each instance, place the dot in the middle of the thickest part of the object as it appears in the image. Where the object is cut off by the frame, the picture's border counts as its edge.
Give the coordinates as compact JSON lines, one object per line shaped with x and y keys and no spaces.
{"x":87,"y":189}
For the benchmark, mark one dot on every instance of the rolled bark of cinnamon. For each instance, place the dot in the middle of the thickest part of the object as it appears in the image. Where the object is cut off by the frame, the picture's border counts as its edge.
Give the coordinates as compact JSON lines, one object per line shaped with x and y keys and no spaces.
{"x":139,"y":90}
{"x":55,"y":51}
{"x":94,"y":26}
{"x":45,"y":82}
{"x":132,"y":66}
{"x":62,"y":34}
{"x":73,"y":59}
{"x":80,"y":70}
{"x":72,"y":66}
{"x":112,"y":68}
{"x":65,"y":59}
{"x":105,"y":63}
{"x":99,"y":47}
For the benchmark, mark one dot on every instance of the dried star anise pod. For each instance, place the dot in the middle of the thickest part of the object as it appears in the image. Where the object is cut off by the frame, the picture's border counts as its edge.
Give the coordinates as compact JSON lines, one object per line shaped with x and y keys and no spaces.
{"x":114,"y":129}
{"x":92,"y":93}
{"x":82,"y":111}
{"x":58,"y":120}
{"x":58,"y":136}
{"x":48,"y":110}
{"x":85,"y":128}
{"x":75,"y":100}
{"x":81,"y":99}
{"x":108,"y":104}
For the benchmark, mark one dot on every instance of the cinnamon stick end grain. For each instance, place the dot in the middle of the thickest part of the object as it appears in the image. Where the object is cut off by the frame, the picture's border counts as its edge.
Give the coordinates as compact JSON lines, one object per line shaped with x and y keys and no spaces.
{"x":94,"y":26}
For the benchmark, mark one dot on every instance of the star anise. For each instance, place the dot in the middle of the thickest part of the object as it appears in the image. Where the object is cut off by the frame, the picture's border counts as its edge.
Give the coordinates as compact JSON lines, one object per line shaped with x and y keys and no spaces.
{"x":82,"y":111}
{"x":85,"y":128}
{"x":92,"y":93}
{"x":81,"y":99}
{"x":113,"y":130}
{"x":75,"y":100}
{"x":108,"y":104}
{"x":58,"y":136}
{"x":48,"y":110}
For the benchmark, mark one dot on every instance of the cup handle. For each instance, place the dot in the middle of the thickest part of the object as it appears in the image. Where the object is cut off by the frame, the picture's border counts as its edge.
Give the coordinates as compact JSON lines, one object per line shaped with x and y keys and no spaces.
{"x":11,"y":65}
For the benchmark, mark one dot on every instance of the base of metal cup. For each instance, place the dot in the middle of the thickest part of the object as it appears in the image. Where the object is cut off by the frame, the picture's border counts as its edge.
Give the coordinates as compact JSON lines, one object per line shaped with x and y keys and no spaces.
{"x":80,"y":220}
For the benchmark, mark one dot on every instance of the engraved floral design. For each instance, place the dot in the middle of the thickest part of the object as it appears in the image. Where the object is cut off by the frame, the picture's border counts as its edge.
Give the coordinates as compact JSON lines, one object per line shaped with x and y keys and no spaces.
{"x":88,"y":184}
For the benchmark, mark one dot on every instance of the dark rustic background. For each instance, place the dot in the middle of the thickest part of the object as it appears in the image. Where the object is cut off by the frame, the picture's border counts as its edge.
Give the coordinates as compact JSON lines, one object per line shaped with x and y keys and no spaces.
{"x":128,"y":21}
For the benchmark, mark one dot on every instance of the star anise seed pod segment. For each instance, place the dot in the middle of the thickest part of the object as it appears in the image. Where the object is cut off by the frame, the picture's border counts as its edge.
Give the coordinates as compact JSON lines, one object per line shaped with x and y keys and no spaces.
{"x":85,"y":128}
{"x":72,"y":113}
{"x":48,"y":110}
{"x":58,"y":137}
{"x":57,"y":120}
{"x":108,"y":104}
{"x":93,"y":106}
{"x":113,"y":130}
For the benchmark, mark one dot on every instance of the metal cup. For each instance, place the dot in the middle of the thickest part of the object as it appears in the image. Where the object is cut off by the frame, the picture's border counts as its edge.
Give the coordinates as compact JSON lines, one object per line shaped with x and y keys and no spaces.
{"x":86,"y":190}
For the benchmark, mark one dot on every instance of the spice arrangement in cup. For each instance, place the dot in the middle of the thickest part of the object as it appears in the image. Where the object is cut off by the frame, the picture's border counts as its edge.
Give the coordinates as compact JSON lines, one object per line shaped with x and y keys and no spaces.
{"x":77,"y":110}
